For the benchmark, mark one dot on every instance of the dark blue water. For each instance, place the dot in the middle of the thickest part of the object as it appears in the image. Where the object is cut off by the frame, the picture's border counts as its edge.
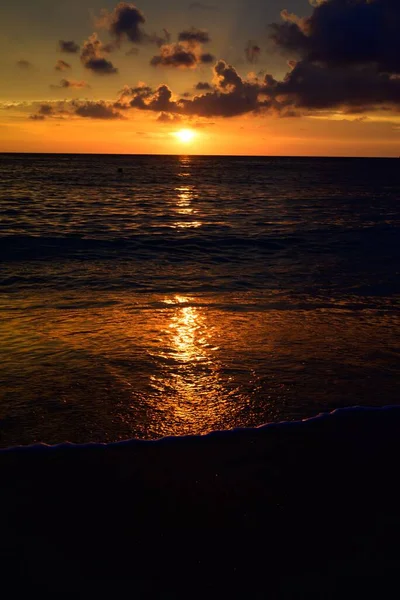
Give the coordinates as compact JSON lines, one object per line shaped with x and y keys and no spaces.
{"x":148,"y":296}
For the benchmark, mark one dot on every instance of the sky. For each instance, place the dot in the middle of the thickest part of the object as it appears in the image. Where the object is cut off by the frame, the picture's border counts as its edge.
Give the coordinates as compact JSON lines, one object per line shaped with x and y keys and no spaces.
{"x":246,"y":77}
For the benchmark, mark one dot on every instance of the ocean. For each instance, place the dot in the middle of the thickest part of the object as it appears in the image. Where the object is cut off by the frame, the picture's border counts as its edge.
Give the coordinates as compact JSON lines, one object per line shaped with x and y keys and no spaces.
{"x":150,"y":296}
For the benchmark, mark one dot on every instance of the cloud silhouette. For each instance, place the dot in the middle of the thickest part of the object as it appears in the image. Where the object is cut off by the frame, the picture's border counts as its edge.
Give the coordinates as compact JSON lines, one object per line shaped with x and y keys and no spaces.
{"x":306,"y":88}
{"x":181,"y":56}
{"x":252,"y":52}
{"x":344,"y":33}
{"x":71,"y":83}
{"x":125,"y":22}
{"x":194,"y":36}
{"x":68,"y":46}
{"x":61,"y":65}
{"x":203,"y":85}
{"x":187,"y":53}
{"x":25,"y":65}
{"x":92,"y":57}
{"x":168,"y":118}
{"x":97,"y":110}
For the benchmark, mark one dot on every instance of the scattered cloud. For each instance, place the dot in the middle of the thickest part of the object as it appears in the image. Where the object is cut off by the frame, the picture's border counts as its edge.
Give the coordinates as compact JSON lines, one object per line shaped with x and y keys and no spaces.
{"x":203,"y":85}
{"x":61,"y":65}
{"x":194,"y":36}
{"x":125,"y":22}
{"x":97,"y":110}
{"x":44,"y":111}
{"x":187,"y":53}
{"x":25,"y":65}
{"x":180,"y":56}
{"x":92,"y":57}
{"x":252,"y":52}
{"x":68,"y":46}
{"x":71,"y":83}
{"x":168,"y":118}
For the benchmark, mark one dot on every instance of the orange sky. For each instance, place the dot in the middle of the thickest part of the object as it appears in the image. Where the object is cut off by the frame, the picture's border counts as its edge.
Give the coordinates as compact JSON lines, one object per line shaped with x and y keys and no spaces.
{"x":31,"y":81}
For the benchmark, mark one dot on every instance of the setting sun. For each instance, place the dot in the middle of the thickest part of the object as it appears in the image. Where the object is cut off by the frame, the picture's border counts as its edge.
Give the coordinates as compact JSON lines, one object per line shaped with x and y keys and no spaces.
{"x":185,"y":135}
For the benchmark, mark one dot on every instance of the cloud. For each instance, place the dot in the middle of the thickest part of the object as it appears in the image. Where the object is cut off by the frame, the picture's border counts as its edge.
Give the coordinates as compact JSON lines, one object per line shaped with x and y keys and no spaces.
{"x":25,"y":65}
{"x":252,"y":52}
{"x":71,"y":83}
{"x":168,"y":118}
{"x":181,"y":56}
{"x":187,"y":53}
{"x":306,"y":88}
{"x":44,"y":111}
{"x":203,"y":85}
{"x":97,"y":110}
{"x":344,"y":32}
{"x":126,"y":22}
{"x":61,"y":65}
{"x":143,"y":97}
{"x":70,"y":47}
{"x":231,"y":96}
{"x":194,"y":36}
{"x":349,"y":55}
{"x":92,"y":57}
{"x":355,"y":89}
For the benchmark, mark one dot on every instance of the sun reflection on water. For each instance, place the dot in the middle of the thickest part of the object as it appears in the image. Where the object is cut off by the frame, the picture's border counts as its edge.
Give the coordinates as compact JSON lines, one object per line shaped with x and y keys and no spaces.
{"x":188,"y":379}
{"x":184,"y":207}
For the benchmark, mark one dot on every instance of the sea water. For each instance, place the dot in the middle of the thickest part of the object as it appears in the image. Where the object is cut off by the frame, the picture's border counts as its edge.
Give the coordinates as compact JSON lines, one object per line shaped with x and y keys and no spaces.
{"x":147,"y":296}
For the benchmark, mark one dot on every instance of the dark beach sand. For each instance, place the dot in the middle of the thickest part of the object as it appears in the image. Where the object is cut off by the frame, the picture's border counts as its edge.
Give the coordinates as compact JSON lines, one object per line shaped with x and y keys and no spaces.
{"x":301,"y":510}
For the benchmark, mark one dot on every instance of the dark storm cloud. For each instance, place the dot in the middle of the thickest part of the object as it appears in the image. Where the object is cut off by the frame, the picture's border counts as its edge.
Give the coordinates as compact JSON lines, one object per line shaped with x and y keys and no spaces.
{"x":25,"y":65}
{"x":203,"y":85}
{"x":92,"y":57}
{"x":71,"y":83}
{"x":252,"y":52}
{"x":61,"y":65}
{"x":70,"y":47}
{"x":126,"y":22}
{"x":97,"y":110}
{"x":344,"y":32}
{"x":354,"y":89}
{"x":194,"y":36}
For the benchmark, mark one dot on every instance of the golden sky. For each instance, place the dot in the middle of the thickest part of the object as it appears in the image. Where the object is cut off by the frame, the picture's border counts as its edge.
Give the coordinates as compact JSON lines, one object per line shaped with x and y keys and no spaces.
{"x":244,"y":77}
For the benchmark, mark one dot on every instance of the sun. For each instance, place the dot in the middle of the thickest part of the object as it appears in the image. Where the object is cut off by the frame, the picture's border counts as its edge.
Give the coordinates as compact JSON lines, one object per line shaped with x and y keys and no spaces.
{"x":185,"y":135}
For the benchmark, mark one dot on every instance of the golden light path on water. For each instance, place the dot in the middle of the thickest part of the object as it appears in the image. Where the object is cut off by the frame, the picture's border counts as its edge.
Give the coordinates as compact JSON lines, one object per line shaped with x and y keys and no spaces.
{"x":189,"y":379}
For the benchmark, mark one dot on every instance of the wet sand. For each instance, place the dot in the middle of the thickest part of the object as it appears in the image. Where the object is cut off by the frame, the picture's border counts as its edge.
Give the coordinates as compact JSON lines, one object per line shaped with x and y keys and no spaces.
{"x":295,"y":510}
